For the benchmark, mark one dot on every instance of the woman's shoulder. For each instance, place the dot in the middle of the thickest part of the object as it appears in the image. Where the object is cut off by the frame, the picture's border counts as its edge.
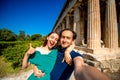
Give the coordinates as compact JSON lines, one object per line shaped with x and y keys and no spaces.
{"x":38,"y":49}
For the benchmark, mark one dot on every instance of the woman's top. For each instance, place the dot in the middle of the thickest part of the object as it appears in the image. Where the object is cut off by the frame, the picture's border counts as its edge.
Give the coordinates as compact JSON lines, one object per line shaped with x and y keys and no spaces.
{"x":44,"y":62}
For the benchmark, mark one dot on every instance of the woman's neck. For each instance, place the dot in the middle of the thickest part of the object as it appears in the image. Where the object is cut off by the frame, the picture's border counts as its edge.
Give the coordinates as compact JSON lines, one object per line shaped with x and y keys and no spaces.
{"x":47,"y":48}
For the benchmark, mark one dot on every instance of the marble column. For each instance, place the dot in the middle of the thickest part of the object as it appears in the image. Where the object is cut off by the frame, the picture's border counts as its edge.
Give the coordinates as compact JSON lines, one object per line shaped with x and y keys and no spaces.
{"x":93,"y":26}
{"x":111,"y":36}
{"x":82,"y":27}
{"x":67,"y":21}
{"x":119,"y":18}
{"x":63,"y":25}
{"x":71,"y":22}
{"x":59,"y":28}
{"x":76,"y":25}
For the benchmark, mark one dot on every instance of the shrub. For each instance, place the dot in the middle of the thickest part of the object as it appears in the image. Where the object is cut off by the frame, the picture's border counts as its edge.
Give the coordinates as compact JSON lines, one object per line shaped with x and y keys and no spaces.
{"x":15,"y":54}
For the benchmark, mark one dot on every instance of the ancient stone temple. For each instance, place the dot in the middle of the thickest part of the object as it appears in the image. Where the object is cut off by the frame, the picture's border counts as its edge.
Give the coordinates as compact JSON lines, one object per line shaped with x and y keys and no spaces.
{"x":97,"y":24}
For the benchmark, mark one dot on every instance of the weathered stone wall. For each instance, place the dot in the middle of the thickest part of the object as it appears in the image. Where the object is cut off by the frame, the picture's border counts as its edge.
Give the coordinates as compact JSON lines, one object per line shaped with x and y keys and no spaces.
{"x":111,"y":68}
{"x":107,"y":63}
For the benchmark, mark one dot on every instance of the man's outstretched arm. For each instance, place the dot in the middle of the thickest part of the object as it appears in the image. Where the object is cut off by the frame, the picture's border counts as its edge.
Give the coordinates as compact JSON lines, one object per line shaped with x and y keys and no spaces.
{"x":82,"y":71}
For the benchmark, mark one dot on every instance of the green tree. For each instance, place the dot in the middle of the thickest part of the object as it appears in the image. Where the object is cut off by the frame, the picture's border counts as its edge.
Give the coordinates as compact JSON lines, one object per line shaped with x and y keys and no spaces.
{"x":27,"y":38}
{"x":7,"y":35}
{"x":43,"y":38}
{"x":21,"y":36}
{"x":36,"y":37}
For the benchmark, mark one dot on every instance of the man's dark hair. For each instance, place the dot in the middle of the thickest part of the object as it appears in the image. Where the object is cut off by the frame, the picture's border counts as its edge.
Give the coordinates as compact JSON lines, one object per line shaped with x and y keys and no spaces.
{"x":67,"y":29}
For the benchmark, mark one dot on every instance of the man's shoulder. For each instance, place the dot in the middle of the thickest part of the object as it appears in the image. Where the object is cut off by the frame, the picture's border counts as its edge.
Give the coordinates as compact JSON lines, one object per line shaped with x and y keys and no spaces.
{"x":75,"y":53}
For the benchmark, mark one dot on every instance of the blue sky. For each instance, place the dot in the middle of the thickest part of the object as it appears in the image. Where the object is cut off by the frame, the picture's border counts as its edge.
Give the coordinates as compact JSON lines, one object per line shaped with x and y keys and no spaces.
{"x":30,"y":16}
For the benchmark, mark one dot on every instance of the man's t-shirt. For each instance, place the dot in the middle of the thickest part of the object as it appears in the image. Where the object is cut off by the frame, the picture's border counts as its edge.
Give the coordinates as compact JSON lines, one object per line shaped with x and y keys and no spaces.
{"x":61,"y":70}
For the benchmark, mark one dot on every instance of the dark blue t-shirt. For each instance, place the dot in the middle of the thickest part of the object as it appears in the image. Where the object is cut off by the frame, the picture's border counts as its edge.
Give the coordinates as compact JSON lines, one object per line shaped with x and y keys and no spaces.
{"x":61,"y":70}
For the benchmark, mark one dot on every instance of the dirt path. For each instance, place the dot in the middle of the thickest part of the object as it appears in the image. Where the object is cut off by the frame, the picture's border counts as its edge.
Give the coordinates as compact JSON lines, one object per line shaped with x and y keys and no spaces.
{"x":23,"y":76}
{"x":19,"y":76}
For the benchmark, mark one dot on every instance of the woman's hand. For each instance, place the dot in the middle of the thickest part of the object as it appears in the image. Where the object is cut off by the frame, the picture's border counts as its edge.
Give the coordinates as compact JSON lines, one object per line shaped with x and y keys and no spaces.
{"x":38,"y":73}
{"x":67,"y":56}
{"x":31,"y":50}
{"x":25,"y":62}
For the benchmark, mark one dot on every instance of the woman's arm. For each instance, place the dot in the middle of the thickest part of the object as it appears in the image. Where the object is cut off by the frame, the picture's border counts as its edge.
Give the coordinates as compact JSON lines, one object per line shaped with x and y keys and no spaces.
{"x":25,"y":62}
{"x":38,"y":73}
{"x":67,"y":56}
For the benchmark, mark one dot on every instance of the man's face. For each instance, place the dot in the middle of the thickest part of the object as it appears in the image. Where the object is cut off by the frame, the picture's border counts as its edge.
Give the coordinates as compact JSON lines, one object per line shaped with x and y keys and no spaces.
{"x":66,"y":38}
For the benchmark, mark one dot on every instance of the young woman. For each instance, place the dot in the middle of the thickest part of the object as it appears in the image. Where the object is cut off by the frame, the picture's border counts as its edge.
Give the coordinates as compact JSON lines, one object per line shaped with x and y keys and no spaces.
{"x":43,"y":58}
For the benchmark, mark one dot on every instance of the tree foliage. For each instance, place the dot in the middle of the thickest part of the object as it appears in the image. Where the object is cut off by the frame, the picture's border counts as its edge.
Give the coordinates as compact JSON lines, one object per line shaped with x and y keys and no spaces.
{"x":15,"y":54}
{"x":7,"y":35}
{"x":21,"y":36}
{"x":36,"y":37}
{"x":13,"y":47}
{"x":28,"y":38}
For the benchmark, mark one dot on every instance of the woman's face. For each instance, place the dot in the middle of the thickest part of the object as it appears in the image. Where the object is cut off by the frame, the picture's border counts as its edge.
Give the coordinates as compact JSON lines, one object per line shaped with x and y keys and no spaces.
{"x":52,"y":40}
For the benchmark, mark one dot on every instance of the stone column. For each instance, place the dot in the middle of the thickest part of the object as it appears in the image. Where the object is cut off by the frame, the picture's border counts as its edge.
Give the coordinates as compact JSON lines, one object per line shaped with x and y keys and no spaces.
{"x":67,"y":21}
{"x":63,"y":25}
{"x":111,"y":36}
{"x":119,"y":18}
{"x":93,"y":27}
{"x":76,"y":24}
{"x":59,"y":28}
{"x":71,"y":22}
{"x":82,"y":26}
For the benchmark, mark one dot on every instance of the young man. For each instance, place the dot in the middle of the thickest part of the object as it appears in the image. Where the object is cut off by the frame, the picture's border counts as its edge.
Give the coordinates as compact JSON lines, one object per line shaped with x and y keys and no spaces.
{"x":62,"y":70}
{"x":82,"y":71}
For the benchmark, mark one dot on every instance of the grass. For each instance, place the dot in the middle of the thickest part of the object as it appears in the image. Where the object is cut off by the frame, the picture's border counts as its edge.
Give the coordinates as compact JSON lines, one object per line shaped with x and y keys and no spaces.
{"x":7,"y":70}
